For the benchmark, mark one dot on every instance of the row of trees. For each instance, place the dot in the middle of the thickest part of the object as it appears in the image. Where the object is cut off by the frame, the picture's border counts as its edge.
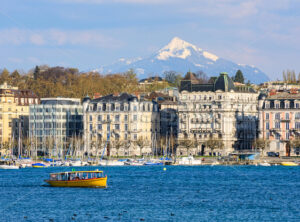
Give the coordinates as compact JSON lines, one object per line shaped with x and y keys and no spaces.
{"x":47,"y":81}
{"x":289,"y":76}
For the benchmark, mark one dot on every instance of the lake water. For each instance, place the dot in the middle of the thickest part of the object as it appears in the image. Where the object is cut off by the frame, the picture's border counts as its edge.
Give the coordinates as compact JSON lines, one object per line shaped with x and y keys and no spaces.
{"x":148,"y":193}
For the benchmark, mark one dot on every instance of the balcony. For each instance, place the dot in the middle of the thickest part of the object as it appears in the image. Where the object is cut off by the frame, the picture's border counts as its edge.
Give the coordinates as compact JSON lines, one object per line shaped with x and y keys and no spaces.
{"x":285,"y":120}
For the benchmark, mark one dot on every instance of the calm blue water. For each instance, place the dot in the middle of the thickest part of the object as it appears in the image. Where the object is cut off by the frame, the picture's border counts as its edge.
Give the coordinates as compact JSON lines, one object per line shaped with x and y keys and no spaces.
{"x":147,"y":193}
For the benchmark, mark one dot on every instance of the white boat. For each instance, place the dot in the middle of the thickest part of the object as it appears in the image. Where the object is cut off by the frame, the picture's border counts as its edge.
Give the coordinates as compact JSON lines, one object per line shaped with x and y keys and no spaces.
{"x":131,"y":162}
{"x":75,"y":163}
{"x":9,"y":167}
{"x":111,"y":163}
{"x":189,"y":161}
{"x":264,"y":164}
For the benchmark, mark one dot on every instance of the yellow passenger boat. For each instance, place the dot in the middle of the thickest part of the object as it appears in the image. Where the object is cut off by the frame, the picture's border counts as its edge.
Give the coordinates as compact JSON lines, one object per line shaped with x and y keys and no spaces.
{"x":94,"y":178}
{"x":289,"y":164}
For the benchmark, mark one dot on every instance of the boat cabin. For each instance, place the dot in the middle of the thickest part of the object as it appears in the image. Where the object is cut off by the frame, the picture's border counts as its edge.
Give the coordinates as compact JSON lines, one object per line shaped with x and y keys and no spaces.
{"x":76,"y":175}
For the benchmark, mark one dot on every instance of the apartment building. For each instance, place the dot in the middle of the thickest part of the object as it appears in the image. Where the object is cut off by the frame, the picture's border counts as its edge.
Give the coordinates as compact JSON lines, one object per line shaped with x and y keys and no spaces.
{"x":279,"y":115}
{"x":124,"y":125}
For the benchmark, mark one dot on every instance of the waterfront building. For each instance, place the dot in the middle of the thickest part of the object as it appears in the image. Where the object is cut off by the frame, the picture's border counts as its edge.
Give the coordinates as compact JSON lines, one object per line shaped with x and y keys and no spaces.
{"x":217,"y":112}
{"x":279,"y":121}
{"x":53,"y":124}
{"x":168,"y":111}
{"x":124,"y":124}
{"x":14,"y":103}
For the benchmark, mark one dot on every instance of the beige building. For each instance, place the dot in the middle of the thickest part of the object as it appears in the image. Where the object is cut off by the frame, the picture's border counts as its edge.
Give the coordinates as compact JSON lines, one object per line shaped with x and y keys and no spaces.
{"x":14,"y":104}
{"x":216,"y":111}
{"x":124,"y":125}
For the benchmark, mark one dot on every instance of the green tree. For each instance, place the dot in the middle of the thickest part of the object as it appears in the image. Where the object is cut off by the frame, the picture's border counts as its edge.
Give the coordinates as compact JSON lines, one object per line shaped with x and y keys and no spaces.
{"x":239,"y":77}
{"x":36,"y":73}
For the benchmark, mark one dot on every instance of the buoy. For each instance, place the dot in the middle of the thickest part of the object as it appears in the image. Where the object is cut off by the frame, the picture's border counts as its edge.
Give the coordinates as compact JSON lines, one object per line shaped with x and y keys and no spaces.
{"x":165,"y":169}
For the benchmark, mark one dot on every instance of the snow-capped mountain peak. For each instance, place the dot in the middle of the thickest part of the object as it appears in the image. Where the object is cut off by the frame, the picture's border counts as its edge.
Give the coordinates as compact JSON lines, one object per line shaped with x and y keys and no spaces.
{"x":178,"y":48}
{"x":181,"y":56}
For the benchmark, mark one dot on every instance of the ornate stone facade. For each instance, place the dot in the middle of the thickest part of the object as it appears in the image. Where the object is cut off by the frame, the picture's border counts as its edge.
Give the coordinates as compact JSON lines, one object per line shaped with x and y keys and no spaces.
{"x":218,"y":111}
{"x":124,"y":124}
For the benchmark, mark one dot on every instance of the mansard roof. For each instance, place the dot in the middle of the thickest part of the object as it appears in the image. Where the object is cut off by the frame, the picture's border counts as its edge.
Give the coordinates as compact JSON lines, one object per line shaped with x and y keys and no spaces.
{"x":124,"y":97}
{"x":224,"y":83}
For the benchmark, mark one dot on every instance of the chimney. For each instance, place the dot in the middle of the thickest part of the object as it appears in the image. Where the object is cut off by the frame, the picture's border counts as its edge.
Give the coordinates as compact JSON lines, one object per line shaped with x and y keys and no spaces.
{"x":97,"y":95}
{"x":272,"y":92}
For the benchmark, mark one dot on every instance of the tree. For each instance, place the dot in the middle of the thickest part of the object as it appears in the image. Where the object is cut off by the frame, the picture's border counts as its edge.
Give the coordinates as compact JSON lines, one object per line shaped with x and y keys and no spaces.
{"x":188,"y":144}
{"x":141,"y":143}
{"x":4,"y":77}
{"x":261,"y":144}
{"x":118,"y":144}
{"x":201,"y":76}
{"x":14,"y":78}
{"x":239,"y":77}
{"x":36,"y":73}
{"x":295,"y":143}
{"x":213,"y":144}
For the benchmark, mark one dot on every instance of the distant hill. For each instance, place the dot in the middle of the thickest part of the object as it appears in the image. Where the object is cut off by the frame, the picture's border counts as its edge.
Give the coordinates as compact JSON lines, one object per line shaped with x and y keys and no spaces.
{"x":181,"y":56}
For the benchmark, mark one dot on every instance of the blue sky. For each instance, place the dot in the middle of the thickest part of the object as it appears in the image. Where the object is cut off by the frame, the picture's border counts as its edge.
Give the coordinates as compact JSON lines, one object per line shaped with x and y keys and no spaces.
{"x":89,"y":33}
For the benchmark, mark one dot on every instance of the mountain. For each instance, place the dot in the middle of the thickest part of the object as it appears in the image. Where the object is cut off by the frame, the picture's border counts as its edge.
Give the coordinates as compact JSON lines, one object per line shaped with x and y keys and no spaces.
{"x":181,"y":56}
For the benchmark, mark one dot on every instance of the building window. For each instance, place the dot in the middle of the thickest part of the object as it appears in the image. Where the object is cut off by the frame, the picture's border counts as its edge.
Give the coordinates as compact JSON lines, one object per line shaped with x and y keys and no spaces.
{"x":287,"y":105}
{"x":297,"y":125}
{"x":108,"y":128}
{"x":108,"y":117}
{"x":117,"y":118}
{"x":126,"y":118}
{"x":117,"y":127}
{"x":287,"y":116}
{"x":134,"y":108}
{"x":91,"y":127}
{"x":125,"y":136}
{"x":99,"y":118}
{"x":267,"y":115}
{"x":91,"y":118}
{"x":287,"y":126}
{"x":297,"y":105}
{"x":267,"y":126}
{"x":277,"y":125}
{"x":277,"y":116}
{"x":134,"y":136}
{"x":287,"y":136}
{"x":297,"y":116}
{"x":277,"y":136}
{"x":126,"y":127}
{"x":277,"y":105}
{"x":268,"y":135}
{"x":134,"y":117}
{"x":99,"y":126}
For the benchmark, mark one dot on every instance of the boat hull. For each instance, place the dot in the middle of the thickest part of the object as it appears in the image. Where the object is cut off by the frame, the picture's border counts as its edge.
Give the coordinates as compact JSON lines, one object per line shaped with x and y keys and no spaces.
{"x":96,"y":182}
{"x":289,"y":164}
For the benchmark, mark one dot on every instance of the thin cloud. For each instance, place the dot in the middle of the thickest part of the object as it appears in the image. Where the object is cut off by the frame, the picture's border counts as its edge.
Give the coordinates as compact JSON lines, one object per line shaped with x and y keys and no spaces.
{"x":57,"y":37}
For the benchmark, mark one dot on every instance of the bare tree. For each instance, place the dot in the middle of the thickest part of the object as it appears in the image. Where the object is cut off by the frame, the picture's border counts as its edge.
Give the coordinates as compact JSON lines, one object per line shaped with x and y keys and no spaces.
{"x":213,"y":144}
{"x":118,"y":144}
{"x":295,"y":143}
{"x":261,"y":144}
{"x":141,"y":143}
{"x":188,"y":144}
